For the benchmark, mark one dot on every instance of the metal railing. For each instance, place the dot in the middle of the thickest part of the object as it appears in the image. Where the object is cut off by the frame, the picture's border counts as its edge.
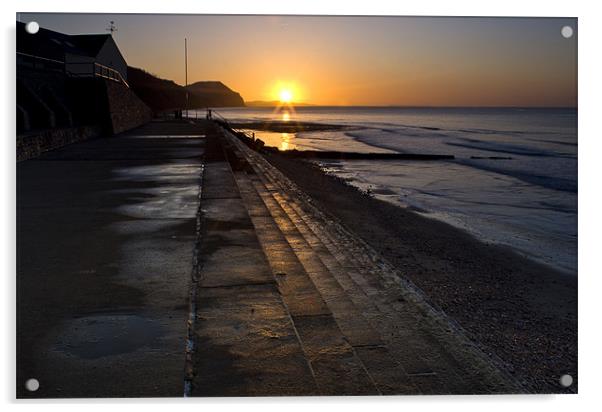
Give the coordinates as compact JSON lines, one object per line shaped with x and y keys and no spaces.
{"x":219,"y":117}
{"x":109,"y":73}
{"x":244,"y":135}
{"x":37,"y":62}
{"x":211,"y":114}
{"x":95,"y":69}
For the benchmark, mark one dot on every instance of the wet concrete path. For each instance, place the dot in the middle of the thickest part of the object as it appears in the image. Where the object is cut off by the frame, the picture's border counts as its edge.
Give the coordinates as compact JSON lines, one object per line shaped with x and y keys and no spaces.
{"x":175,"y":260}
{"x":106,"y":231}
{"x":359,"y":327}
{"x":245,"y":340}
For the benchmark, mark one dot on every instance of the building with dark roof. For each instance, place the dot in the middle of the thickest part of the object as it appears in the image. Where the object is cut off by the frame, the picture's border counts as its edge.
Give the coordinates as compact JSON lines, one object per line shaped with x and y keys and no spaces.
{"x":81,"y":54}
{"x":71,"y":87}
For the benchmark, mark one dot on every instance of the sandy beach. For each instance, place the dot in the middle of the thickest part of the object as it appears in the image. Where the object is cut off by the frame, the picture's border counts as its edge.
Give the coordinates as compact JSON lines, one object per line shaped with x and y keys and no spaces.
{"x":521,"y":312}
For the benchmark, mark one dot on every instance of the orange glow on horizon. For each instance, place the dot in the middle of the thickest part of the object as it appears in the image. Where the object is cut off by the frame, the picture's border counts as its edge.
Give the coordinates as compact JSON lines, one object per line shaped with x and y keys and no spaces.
{"x":353,"y":60}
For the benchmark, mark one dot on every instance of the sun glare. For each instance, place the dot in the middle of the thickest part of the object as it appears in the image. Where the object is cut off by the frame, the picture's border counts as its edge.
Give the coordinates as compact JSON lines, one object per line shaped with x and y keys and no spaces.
{"x":286,"y":96}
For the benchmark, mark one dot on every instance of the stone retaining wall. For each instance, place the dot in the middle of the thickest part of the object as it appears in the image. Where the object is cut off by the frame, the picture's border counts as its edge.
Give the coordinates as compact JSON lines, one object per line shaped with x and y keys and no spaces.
{"x":126,"y":111}
{"x":112,"y":106}
{"x":34,"y":144}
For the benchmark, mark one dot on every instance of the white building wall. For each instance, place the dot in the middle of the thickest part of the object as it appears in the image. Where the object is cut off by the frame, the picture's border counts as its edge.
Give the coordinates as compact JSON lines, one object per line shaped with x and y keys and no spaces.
{"x":79,"y":65}
{"x":109,"y":55}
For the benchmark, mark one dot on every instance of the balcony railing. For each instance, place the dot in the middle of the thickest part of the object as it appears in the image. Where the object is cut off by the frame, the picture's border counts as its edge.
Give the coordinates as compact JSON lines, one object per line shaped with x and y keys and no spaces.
{"x":72,"y":69}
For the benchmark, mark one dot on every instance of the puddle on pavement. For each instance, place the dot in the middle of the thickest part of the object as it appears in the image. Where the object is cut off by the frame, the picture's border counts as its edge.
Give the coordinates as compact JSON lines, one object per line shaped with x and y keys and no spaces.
{"x":97,"y":336}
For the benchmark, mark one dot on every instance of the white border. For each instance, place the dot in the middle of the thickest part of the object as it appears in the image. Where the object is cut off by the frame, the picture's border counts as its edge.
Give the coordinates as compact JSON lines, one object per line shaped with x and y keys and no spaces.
{"x":341,"y":7}
{"x":590,"y":150}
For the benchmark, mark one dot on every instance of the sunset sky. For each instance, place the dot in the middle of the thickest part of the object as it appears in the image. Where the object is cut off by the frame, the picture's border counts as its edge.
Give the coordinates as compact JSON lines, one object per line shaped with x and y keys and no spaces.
{"x":415,"y":61}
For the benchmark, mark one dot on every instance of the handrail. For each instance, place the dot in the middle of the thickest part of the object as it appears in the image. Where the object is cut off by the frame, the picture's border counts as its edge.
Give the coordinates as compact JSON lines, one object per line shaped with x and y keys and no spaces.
{"x":111,"y":70}
{"x":41,"y":58}
{"x":224,"y":122}
{"x":104,"y":72}
{"x":219,"y":116}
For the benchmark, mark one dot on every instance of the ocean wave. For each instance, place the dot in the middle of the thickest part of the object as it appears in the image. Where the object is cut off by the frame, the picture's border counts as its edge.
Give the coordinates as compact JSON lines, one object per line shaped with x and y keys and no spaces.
{"x":562,"y":184}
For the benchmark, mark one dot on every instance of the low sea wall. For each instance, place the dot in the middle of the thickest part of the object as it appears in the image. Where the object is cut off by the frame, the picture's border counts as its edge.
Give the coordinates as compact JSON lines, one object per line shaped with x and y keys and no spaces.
{"x":34,"y":144}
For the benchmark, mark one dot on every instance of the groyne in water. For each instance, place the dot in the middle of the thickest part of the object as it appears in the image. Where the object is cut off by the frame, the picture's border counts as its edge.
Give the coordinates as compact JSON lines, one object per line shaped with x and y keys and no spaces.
{"x":317,"y":154}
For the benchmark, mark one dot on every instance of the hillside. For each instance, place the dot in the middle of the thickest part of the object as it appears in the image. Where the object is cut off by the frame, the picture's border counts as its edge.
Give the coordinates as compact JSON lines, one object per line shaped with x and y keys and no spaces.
{"x":216,"y":94}
{"x":163,"y":95}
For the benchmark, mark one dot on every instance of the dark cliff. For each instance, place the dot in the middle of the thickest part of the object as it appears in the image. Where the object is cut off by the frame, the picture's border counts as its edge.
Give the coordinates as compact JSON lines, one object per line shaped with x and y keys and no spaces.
{"x":215,"y":94}
{"x":162,"y":95}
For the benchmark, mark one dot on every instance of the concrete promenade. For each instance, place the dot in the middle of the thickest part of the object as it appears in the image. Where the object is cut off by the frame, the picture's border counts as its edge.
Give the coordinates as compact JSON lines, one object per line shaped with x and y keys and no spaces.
{"x":174,"y":260}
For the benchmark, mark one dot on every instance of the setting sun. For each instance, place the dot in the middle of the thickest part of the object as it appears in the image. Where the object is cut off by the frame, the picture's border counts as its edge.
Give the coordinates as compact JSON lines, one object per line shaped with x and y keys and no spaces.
{"x":286,"y":96}
{"x":285,"y":92}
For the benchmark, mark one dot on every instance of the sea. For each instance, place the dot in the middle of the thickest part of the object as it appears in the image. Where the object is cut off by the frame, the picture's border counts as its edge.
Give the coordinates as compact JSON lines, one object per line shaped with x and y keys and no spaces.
{"x":513,"y":180}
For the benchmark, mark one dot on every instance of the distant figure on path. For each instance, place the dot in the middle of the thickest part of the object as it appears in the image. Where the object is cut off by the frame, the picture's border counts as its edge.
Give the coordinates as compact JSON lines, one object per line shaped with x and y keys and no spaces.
{"x":208,"y":114}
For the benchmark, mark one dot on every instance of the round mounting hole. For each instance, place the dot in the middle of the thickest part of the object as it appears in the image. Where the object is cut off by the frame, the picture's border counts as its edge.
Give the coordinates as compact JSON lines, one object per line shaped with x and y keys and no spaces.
{"x":567,"y":32}
{"x":32,"y":27}
{"x":566,"y":380}
{"x":32,"y":385}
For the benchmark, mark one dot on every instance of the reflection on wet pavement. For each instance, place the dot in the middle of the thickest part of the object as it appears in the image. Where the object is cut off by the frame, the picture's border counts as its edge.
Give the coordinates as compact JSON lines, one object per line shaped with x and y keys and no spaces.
{"x":108,"y":230}
{"x":97,"y":336}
